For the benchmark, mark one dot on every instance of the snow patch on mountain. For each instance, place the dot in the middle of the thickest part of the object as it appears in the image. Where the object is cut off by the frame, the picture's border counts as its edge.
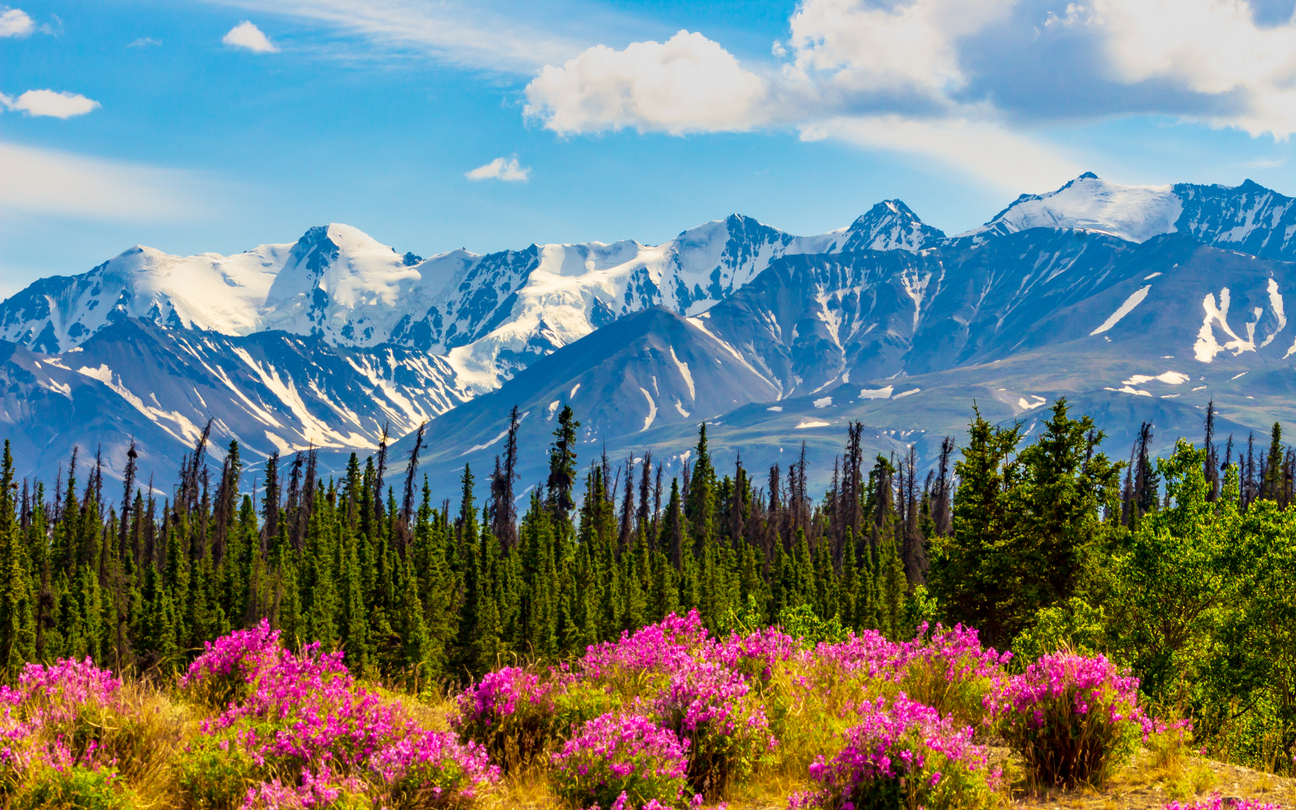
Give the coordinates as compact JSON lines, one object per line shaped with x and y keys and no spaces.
{"x":652,"y":410}
{"x":1206,"y":346}
{"x":1124,"y":309}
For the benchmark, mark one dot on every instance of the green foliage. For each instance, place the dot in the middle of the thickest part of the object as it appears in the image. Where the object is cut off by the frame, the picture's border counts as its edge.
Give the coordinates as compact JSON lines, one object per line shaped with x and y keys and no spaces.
{"x":1075,"y":626}
{"x":213,"y":774}
{"x":800,"y":622}
{"x":73,"y":788}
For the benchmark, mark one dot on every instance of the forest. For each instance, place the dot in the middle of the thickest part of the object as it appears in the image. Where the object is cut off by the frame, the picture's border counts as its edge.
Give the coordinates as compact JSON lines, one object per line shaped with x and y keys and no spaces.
{"x":1179,"y":569}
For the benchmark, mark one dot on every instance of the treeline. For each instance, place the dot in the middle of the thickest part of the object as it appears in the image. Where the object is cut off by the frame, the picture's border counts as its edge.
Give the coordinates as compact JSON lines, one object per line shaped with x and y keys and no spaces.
{"x":418,"y":591}
{"x":1172,"y":566}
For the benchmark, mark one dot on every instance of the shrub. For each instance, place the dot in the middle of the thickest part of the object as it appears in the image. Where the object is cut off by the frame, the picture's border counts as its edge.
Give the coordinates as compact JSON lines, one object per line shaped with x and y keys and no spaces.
{"x":635,"y":664}
{"x":215,"y":773}
{"x":803,"y":623}
{"x":74,"y":713}
{"x":510,"y":712}
{"x":1074,"y":625}
{"x":229,"y":666}
{"x":621,"y":760}
{"x":305,"y":734}
{"x":757,"y":654}
{"x":711,"y":707}
{"x":1072,"y":719}
{"x":73,"y":786}
{"x":902,"y":754}
{"x":950,"y":671}
{"x":431,"y":769}
{"x":576,"y":703}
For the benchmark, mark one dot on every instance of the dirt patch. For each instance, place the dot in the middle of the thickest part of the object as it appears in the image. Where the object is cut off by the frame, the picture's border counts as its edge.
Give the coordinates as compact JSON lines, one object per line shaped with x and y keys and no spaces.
{"x":1144,"y":786}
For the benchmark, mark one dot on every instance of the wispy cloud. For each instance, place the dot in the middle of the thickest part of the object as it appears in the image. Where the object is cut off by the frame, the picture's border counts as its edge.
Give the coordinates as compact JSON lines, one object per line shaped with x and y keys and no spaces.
{"x":145,"y":42}
{"x":248,"y":36}
{"x":15,"y":22}
{"x":47,"y":182}
{"x":466,"y":34}
{"x":51,"y":104}
{"x":508,"y":170}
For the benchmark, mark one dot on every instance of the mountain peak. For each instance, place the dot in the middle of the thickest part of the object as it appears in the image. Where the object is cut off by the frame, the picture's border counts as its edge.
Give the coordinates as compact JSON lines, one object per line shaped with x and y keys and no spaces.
{"x":1132,"y":213}
{"x":889,"y":225}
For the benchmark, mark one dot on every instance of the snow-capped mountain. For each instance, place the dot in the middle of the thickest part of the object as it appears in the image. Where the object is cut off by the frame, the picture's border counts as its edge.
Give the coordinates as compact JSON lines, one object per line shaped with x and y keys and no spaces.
{"x":1087,"y":291}
{"x":488,"y":315}
{"x":1128,"y":332}
{"x":1249,"y":218}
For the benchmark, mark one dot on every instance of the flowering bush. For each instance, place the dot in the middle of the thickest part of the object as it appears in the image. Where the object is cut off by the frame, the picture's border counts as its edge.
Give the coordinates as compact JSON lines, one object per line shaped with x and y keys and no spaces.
{"x":950,"y":671}
{"x":756,"y":654}
{"x":711,"y":707}
{"x":300,"y":730}
{"x":1071,"y":718}
{"x":901,"y":755}
{"x":430,"y":769}
{"x":228,"y":666}
{"x":58,"y":717}
{"x":510,"y":712}
{"x":621,"y":761}
{"x":658,"y":649}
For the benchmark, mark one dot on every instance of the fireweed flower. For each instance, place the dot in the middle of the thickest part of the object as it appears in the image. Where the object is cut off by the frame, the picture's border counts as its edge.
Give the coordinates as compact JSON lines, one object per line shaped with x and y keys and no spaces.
{"x":621,"y":760}
{"x":712,"y":707}
{"x":901,"y":754}
{"x":657,"y":648}
{"x":949,"y":670}
{"x":302,"y":718}
{"x":510,"y":711}
{"x":1072,"y":719}
{"x":52,"y":718}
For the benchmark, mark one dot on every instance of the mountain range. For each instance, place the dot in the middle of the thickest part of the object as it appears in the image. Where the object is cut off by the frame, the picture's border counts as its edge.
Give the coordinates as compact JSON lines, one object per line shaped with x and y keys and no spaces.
{"x":1137,"y":303}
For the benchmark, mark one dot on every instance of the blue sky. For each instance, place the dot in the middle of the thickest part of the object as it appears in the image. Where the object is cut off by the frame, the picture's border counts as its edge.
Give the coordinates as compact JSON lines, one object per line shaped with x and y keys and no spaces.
{"x":217,"y":126}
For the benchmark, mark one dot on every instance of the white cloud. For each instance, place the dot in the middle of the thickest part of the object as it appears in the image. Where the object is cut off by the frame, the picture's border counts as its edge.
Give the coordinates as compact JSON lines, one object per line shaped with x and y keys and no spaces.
{"x":144,"y":42}
{"x":907,"y":47}
{"x":686,"y":84}
{"x":246,"y":35}
{"x":500,"y":169}
{"x":41,"y":181}
{"x":1212,"y":47}
{"x":16,"y":23}
{"x":50,"y":104}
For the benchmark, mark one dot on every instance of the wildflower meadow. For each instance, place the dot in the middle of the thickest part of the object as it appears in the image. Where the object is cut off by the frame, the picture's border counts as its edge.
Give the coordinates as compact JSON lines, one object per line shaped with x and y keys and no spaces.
{"x":670,"y":716}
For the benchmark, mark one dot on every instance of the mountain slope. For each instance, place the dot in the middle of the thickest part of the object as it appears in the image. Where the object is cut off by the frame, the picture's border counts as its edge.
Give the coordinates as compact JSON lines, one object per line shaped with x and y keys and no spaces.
{"x":1104,"y":293}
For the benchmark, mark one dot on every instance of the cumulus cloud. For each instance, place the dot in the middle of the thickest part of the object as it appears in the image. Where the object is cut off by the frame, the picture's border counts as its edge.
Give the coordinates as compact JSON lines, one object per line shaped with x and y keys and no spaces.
{"x":50,"y":104}
{"x":966,"y":82}
{"x":865,"y":50}
{"x":686,"y":84}
{"x":1209,"y":47}
{"x":246,"y":35}
{"x":501,"y":169}
{"x":15,"y":22}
